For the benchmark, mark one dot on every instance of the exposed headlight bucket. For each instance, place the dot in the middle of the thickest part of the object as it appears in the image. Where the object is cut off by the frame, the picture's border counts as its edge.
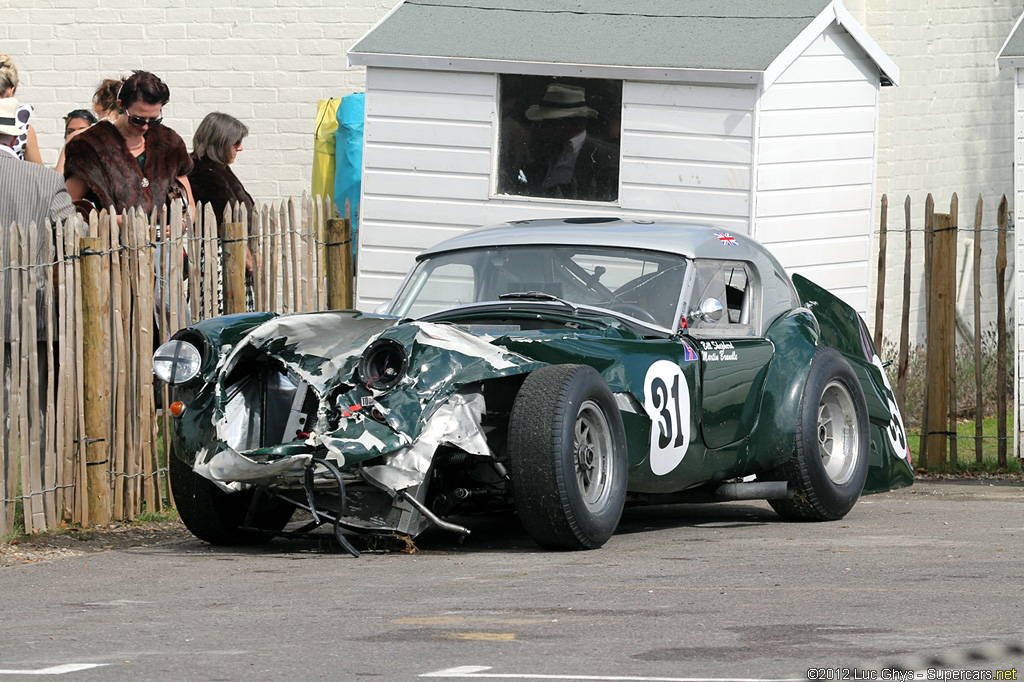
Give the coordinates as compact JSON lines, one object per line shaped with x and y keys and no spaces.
{"x":176,"y":362}
{"x":383,"y":364}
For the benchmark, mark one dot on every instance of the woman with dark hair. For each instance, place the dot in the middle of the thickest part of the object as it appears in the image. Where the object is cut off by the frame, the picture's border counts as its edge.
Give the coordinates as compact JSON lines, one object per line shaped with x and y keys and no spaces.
{"x":215,"y":145}
{"x":75,"y":122}
{"x":134,"y":162}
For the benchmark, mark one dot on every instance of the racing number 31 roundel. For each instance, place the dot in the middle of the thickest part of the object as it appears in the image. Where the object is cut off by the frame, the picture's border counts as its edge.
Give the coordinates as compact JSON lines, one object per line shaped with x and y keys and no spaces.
{"x":667,"y":403}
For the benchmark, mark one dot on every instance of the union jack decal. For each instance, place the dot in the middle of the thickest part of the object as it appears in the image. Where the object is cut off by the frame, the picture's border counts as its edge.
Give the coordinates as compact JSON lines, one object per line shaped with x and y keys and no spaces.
{"x":689,"y":354}
{"x":726,"y":238}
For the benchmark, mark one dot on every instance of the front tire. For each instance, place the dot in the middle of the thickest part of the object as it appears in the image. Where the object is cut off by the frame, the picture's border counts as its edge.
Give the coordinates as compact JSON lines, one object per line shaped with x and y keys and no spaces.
{"x":567,"y":457}
{"x":217,"y":516}
{"x":830,"y":459}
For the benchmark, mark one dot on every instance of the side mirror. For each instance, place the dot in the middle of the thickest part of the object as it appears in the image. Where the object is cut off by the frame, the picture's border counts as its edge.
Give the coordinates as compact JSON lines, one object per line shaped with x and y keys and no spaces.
{"x":711,"y":310}
{"x":382,"y":309}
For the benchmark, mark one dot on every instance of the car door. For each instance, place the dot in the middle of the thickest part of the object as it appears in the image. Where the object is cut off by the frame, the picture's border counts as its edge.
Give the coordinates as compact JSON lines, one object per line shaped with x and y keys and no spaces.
{"x":724,"y":321}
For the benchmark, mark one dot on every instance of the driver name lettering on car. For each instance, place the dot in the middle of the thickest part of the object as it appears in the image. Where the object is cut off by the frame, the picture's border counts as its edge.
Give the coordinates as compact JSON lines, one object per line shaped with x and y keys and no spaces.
{"x":715,"y":351}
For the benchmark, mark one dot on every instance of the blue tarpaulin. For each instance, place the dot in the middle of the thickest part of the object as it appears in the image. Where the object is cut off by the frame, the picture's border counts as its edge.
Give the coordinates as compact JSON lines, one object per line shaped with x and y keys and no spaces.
{"x":348,"y":171}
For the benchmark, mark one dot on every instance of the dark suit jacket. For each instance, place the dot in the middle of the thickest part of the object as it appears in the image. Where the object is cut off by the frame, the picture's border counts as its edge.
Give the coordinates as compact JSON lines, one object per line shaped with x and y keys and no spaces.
{"x":29,"y":193}
{"x":595,"y":177}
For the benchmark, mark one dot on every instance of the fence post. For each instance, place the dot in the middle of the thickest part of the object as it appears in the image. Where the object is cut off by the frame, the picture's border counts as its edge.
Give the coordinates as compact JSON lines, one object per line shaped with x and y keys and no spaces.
{"x":954,"y":212}
{"x":339,"y":264}
{"x":901,"y":379}
{"x":941,"y":331}
{"x":880,"y":295}
{"x":234,"y":268}
{"x":95,"y":311}
{"x":929,"y":226}
{"x":1001,"y":329}
{"x":979,"y":396}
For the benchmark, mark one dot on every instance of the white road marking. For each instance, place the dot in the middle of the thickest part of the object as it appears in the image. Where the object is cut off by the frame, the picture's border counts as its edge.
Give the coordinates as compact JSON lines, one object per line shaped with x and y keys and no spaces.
{"x":55,"y":669}
{"x":477,"y":672}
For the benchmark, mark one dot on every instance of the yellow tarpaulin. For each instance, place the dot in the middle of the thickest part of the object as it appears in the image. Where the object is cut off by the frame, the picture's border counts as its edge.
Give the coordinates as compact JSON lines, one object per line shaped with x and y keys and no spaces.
{"x":323,"y":147}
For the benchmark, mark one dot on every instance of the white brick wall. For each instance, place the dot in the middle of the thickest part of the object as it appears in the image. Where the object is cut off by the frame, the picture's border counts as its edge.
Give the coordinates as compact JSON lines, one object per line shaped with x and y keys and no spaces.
{"x":266,"y":62}
{"x":947,"y":128}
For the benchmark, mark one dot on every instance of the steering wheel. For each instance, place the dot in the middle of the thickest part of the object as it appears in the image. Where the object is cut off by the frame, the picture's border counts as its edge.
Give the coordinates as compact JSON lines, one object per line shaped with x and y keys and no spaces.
{"x":634,"y":310}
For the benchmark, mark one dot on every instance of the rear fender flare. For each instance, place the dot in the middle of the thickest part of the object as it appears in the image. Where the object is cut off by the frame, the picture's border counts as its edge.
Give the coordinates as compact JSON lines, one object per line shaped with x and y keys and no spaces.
{"x":795,"y":337}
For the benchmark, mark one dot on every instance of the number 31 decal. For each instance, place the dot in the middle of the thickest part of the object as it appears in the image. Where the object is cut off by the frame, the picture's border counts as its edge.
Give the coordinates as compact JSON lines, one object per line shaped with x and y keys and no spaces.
{"x":667,"y":403}
{"x":897,"y":432}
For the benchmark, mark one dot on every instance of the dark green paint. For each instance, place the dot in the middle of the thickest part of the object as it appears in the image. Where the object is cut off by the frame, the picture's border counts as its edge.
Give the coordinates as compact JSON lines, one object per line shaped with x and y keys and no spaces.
{"x":795,"y":337}
{"x":838,"y":322}
{"x":733,"y":373}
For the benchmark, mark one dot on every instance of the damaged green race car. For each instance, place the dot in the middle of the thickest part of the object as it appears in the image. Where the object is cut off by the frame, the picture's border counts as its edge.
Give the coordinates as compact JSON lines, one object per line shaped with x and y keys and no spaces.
{"x":560,"y":368}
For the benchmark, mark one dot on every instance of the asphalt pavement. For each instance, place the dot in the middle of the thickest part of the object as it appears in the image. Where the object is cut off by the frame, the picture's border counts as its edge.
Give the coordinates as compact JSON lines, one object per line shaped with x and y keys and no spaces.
{"x":697,"y":592}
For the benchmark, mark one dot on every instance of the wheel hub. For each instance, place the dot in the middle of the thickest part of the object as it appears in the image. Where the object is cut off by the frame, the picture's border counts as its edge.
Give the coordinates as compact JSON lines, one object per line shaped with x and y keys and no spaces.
{"x":585,"y":456}
{"x":838,"y":439}
{"x":592,"y":445}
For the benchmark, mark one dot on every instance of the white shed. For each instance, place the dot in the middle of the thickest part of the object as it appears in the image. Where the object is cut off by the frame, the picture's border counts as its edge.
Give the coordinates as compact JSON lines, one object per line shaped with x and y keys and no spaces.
{"x":761,"y":115}
{"x":1012,"y":56}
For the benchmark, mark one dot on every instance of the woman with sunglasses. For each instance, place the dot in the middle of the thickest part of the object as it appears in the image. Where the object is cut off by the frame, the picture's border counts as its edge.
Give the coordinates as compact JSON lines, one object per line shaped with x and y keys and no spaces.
{"x":134,"y":162}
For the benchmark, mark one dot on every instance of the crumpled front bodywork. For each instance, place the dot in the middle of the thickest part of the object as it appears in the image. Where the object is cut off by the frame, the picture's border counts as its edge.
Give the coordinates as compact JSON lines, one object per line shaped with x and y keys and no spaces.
{"x":291,"y":390}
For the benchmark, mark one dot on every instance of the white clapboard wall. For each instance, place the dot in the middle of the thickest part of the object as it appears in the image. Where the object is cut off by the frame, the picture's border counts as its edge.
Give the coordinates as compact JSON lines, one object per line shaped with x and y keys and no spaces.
{"x":816,"y":163}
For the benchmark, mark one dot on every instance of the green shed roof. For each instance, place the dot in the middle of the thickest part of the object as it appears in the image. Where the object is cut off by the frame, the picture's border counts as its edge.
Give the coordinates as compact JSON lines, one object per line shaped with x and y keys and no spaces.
{"x":725,"y":36}
{"x":1012,"y":52}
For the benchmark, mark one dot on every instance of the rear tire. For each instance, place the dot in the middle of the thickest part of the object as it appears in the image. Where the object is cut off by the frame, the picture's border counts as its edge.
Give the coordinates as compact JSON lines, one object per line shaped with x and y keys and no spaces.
{"x":567,"y":458}
{"x":216,"y":516}
{"x":830,"y":459}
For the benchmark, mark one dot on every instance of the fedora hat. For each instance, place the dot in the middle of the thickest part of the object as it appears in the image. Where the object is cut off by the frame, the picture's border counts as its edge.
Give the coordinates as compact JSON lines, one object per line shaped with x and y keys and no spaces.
{"x":561,"y":101}
{"x":9,"y":116}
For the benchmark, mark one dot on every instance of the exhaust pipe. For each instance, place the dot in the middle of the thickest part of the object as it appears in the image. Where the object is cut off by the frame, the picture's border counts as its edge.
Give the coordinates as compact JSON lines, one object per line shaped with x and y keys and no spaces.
{"x":727,"y":492}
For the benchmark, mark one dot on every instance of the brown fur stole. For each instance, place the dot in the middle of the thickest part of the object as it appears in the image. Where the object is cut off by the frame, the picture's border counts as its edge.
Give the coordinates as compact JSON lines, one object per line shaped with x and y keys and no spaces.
{"x":100,"y":158}
{"x":216,"y":185}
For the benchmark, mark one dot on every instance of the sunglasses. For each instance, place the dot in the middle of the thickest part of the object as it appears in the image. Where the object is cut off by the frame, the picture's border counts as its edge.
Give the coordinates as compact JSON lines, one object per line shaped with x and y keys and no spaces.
{"x":139,"y":121}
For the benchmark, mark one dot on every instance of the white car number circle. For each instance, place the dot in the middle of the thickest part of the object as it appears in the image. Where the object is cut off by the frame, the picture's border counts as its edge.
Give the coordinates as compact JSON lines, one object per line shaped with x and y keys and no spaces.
{"x":896,"y":432}
{"x":667,"y":403}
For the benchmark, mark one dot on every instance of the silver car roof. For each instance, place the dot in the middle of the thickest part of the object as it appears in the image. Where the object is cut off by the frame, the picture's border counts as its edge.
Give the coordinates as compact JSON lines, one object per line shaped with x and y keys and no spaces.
{"x":691,"y":240}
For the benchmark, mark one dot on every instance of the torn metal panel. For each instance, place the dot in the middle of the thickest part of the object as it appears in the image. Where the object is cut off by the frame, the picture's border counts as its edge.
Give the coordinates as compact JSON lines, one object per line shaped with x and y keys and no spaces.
{"x":455,"y":423}
{"x":230,"y":466}
{"x":316,"y":346}
{"x":404,"y":425}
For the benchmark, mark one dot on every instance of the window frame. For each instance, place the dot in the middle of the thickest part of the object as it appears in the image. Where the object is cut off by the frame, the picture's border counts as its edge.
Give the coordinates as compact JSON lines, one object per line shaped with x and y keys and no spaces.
{"x":498,"y":188}
{"x":725,"y":328}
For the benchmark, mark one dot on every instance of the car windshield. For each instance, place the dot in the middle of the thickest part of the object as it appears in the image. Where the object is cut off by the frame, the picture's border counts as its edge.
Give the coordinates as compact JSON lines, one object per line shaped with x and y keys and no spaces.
{"x":644,"y":285}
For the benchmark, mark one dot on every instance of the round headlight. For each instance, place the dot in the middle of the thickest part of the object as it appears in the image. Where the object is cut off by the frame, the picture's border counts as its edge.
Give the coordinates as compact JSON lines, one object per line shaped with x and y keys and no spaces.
{"x":383,"y":364}
{"x":176,"y":362}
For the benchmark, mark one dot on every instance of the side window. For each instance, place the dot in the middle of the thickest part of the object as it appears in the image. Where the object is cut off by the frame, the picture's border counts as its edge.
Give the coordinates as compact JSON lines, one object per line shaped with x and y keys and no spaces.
{"x":559,"y":138}
{"x":733,"y":285}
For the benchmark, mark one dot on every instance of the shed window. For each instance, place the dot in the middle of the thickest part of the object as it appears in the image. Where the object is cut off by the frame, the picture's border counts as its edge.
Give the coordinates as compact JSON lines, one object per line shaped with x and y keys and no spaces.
{"x":559,"y":138}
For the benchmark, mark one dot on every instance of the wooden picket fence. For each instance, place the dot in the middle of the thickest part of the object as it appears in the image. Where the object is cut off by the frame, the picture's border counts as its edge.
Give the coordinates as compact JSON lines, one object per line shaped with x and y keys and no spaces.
{"x":938,"y":404}
{"x":62,"y":425}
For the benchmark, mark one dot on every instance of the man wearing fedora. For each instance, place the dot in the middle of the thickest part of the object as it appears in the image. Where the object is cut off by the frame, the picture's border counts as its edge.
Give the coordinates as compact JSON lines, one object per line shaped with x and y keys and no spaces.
{"x":566,"y":162}
{"x":28,"y":192}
